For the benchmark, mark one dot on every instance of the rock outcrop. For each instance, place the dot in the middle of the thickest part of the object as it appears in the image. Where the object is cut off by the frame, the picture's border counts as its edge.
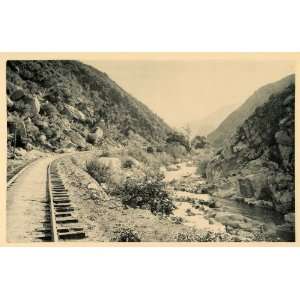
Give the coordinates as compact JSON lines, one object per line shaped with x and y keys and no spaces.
{"x":259,"y":158}
{"x":240,"y":115}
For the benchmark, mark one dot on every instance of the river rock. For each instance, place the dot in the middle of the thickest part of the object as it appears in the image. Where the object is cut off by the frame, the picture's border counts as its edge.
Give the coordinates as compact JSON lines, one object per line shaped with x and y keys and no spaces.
{"x":237,"y":221}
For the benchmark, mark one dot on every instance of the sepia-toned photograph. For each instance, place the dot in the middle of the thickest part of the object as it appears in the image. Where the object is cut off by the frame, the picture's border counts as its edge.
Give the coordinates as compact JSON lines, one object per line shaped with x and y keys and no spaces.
{"x":154,"y":149}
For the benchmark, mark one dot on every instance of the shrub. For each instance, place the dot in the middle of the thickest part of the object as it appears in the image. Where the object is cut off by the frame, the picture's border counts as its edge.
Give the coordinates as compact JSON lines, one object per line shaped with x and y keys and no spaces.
{"x":98,"y":171}
{"x":147,"y":192}
{"x":159,"y":149}
{"x":150,"y":149}
{"x":176,"y":150}
{"x":199,"y":142}
{"x":201,"y":167}
{"x":180,"y":139}
{"x":125,"y":233}
{"x":205,"y":236}
{"x":128,"y":163}
{"x":177,"y":220}
{"x":138,"y":154}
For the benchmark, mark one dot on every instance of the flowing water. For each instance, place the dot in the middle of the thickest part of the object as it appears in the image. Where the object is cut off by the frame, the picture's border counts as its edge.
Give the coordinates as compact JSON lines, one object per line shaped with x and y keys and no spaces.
{"x":269,"y":218}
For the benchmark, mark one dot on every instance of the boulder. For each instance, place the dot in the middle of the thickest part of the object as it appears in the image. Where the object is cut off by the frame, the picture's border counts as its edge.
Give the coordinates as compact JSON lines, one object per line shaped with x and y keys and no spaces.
{"x":93,"y":186}
{"x":290,"y":218}
{"x":75,"y":113}
{"x":286,"y":151}
{"x":237,"y":221}
{"x":17,"y":94}
{"x":284,"y":201}
{"x":35,"y":106}
{"x":20,"y":151}
{"x":30,"y":106}
{"x":42,"y":139}
{"x":77,"y":139}
{"x":29,"y":147}
{"x":10,"y":103}
{"x":171,"y":168}
{"x":283,"y":138}
{"x":94,"y":138}
{"x":40,"y":123}
{"x":288,"y":100}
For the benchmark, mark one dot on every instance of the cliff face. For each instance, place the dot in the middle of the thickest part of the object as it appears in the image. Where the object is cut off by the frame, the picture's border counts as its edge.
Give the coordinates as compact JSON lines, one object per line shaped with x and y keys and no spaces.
{"x":237,"y":118}
{"x":259,"y":159}
{"x":57,"y":104}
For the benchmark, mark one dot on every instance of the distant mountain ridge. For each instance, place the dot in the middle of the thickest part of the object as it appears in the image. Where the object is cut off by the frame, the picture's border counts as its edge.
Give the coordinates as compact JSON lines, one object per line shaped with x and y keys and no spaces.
{"x":206,"y":125}
{"x":237,"y":117}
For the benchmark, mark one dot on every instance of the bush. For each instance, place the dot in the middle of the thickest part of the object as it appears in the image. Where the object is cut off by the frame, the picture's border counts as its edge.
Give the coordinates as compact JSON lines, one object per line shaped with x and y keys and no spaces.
{"x":180,"y":139}
{"x":150,"y":149}
{"x":177,"y":220}
{"x":138,"y":154}
{"x":201,"y":168}
{"x":128,"y":163}
{"x":159,"y":149}
{"x":125,"y":233}
{"x":147,"y":192}
{"x":199,"y":142}
{"x":205,"y":236}
{"x":98,"y":171}
{"x":176,"y":151}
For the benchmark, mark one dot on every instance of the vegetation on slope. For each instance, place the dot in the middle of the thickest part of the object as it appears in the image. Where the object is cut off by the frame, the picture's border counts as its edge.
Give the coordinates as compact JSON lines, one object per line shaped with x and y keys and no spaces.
{"x":58,"y":104}
{"x":237,"y":118}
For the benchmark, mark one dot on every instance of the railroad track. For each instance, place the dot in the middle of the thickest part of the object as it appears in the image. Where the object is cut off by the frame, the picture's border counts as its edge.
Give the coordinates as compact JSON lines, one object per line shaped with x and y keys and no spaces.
{"x":64,"y":224}
{"x":43,"y":215}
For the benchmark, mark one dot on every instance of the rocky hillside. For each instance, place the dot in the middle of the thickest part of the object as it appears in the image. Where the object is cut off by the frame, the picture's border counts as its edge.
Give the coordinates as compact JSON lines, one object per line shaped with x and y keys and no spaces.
{"x":258,"y":160}
{"x":67,"y":104}
{"x":237,"y":118}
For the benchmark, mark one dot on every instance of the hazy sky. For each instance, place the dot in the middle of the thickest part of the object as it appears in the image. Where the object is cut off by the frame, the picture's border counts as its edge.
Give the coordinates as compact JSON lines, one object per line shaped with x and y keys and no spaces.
{"x":183,"y":91}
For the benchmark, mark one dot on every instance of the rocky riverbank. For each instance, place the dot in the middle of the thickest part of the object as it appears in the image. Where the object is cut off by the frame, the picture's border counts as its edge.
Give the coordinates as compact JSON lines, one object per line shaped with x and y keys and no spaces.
{"x":204,"y":206}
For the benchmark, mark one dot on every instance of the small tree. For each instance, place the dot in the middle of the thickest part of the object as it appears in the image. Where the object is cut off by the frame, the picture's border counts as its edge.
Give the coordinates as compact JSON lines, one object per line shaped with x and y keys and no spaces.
{"x":201,"y":167}
{"x":178,"y":138}
{"x":199,"y":142}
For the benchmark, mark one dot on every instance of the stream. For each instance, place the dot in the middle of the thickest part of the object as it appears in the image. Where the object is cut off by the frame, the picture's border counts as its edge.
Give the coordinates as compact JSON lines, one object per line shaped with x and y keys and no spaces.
{"x":199,"y":219}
